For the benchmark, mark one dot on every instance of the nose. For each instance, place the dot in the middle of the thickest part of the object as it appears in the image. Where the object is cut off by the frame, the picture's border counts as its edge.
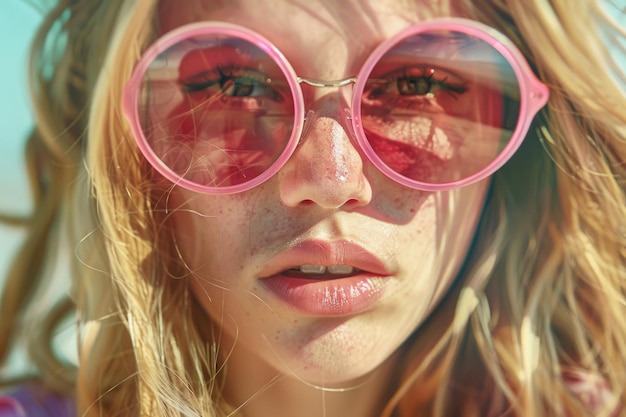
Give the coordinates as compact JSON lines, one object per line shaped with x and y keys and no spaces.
{"x":326,"y":169}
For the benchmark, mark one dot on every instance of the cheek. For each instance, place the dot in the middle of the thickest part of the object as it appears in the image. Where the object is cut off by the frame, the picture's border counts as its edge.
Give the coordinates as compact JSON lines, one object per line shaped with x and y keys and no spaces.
{"x":434,"y":245}
{"x":212,"y":238}
{"x":210,"y":232}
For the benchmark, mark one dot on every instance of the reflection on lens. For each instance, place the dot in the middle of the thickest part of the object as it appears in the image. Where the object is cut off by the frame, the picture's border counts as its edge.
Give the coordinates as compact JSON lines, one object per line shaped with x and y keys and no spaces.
{"x":437,"y":106}
{"x":216,"y":110}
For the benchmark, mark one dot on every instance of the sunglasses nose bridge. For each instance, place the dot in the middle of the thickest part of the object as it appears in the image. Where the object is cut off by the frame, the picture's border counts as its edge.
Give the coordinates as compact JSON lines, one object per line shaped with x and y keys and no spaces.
{"x":327,"y":84}
{"x":344,"y":113}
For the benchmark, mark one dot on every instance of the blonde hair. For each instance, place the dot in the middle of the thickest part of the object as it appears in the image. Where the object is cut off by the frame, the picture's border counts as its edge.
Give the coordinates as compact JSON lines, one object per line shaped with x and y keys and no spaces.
{"x":543,"y":287}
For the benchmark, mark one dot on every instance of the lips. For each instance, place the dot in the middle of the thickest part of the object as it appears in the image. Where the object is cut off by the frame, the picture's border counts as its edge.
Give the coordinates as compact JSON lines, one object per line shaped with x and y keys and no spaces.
{"x":324,"y":278}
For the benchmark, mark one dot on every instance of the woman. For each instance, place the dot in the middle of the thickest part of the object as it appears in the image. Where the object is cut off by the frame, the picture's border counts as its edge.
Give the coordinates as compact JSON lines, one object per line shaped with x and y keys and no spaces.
{"x":301,"y":209}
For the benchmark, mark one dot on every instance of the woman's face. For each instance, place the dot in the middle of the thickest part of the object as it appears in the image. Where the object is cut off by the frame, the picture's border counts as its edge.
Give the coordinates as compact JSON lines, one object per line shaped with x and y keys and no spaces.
{"x":323,"y":271}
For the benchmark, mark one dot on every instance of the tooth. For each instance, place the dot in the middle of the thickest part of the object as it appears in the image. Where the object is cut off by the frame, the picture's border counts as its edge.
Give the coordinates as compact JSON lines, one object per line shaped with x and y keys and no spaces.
{"x":312,"y":269}
{"x":340,"y":269}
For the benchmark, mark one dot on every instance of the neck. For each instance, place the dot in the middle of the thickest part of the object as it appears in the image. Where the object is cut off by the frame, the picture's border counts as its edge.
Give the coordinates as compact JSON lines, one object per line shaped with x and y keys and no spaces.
{"x":257,"y":390}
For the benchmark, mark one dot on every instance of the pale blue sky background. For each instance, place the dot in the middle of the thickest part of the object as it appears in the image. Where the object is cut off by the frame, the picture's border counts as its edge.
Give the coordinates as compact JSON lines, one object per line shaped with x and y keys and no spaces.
{"x":17,"y":24}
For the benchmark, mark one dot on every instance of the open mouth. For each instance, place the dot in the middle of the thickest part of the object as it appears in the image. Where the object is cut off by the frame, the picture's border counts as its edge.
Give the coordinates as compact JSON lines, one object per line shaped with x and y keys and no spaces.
{"x":322,"y":272}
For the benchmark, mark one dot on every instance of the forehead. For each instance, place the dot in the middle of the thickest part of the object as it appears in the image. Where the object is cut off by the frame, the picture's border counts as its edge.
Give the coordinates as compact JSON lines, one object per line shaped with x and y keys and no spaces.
{"x":311,"y":33}
{"x":375,"y":14}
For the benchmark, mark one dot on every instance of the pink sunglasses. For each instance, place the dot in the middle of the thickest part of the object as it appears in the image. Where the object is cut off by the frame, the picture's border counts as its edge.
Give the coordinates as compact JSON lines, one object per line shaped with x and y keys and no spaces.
{"x":218,"y":109}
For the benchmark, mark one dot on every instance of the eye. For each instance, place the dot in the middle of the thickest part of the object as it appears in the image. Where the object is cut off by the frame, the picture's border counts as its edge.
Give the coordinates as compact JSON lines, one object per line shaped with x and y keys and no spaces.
{"x":424,"y":81}
{"x":233,"y":83}
{"x":413,"y":86}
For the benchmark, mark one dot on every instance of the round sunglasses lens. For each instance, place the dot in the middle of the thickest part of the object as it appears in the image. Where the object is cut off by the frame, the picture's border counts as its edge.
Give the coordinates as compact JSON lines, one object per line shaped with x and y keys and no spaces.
{"x":439,"y":107}
{"x":215,"y":110}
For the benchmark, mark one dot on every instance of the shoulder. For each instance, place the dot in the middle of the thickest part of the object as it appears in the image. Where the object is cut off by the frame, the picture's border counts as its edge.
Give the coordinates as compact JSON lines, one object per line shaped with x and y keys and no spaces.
{"x":35,"y":401}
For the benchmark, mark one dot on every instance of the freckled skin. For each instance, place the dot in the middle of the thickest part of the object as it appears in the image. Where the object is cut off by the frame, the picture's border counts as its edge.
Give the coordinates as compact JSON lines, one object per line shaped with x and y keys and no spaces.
{"x":227,"y":240}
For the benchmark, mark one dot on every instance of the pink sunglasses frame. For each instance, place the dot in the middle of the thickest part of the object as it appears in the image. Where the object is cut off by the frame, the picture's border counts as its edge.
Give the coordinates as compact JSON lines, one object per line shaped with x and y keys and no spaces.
{"x":533,"y":96}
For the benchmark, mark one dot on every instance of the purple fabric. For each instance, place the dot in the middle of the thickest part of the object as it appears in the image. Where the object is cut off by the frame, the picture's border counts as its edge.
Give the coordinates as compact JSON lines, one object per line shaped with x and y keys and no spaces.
{"x":35,"y":401}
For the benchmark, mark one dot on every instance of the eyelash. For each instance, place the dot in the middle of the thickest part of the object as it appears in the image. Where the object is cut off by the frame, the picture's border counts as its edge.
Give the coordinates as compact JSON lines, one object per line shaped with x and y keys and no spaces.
{"x":235,"y":79}
{"x":192,"y":87}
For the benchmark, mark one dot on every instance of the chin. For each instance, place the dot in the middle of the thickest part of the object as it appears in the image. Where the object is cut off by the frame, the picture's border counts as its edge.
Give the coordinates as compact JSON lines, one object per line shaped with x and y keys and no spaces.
{"x":339,"y":357}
